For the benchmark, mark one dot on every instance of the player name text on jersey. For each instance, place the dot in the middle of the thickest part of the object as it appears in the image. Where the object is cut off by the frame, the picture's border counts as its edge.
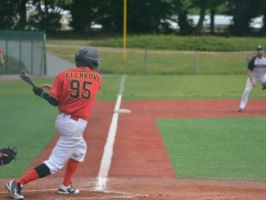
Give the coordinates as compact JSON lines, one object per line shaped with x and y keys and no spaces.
{"x":82,"y":75}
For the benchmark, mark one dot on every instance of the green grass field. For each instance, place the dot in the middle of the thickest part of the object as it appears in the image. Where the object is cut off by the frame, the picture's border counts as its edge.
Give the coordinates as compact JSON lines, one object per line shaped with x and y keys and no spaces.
{"x":27,"y":121}
{"x":229,"y":148}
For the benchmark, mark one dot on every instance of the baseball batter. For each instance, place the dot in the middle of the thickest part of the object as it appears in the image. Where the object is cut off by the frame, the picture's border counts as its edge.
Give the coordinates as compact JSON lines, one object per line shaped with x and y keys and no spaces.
{"x":256,"y":72}
{"x":73,"y":91}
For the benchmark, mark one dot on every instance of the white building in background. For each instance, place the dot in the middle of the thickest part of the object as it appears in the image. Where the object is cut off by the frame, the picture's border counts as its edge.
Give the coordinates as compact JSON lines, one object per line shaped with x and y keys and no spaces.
{"x":221,"y":22}
{"x":65,"y":20}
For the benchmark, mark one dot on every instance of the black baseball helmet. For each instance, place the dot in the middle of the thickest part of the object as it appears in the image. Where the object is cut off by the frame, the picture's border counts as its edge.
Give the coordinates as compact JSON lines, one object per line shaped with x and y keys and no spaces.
{"x":87,"y":57}
{"x":259,"y":48}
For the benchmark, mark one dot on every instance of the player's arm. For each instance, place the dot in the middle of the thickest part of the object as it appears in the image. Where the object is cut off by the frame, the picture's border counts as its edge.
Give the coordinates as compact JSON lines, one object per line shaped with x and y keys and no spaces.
{"x":251,"y":66}
{"x":250,"y":76}
{"x":39,"y":92}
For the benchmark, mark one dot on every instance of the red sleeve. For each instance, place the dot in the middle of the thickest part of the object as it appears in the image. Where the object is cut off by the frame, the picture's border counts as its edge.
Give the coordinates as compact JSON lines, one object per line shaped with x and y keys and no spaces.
{"x":56,"y":90}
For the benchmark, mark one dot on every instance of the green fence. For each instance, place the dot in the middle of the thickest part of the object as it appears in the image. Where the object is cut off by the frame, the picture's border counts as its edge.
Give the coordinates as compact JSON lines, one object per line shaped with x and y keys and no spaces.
{"x":23,"y":50}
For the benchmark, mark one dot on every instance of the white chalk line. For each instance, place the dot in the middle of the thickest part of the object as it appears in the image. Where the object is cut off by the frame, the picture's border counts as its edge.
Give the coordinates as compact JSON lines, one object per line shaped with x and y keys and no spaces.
{"x":113,"y":194}
{"x":96,"y":198}
{"x":108,"y":148}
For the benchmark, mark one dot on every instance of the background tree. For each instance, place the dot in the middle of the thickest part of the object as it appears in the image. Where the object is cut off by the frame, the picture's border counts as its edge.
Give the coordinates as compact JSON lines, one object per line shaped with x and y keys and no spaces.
{"x":205,"y":7}
{"x":213,"y":5}
{"x":8,"y":14}
{"x":47,"y":15}
{"x":263,"y":12}
{"x":180,"y":8}
{"x":144,"y":16}
{"x":84,"y":13}
{"x":243,"y":11}
{"x":202,"y":5}
{"x":22,"y":9}
{"x":110,"y":15}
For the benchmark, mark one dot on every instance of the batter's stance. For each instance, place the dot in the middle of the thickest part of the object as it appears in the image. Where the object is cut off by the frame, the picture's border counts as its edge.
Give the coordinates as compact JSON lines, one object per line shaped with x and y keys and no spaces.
{"x":73,"y":91}
{"x":256,"y":72}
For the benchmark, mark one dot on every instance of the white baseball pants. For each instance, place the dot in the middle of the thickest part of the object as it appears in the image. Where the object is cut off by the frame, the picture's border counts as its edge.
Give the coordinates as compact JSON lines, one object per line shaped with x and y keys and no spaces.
{"x":70,"y":145}
{"x":248,"y":89}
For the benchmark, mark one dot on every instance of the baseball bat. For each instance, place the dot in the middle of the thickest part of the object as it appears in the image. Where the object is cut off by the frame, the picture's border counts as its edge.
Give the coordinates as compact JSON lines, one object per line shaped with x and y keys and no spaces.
{"x":27,"y":79}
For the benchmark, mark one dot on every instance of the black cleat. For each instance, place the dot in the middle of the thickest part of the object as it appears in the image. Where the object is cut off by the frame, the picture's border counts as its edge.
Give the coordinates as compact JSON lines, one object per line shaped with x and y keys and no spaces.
{"x":14,"y":190}
{"x":67,"y":190}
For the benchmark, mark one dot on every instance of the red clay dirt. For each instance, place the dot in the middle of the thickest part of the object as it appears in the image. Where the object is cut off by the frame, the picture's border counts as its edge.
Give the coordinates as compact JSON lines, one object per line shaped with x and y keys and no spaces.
{"x":141,"y":169}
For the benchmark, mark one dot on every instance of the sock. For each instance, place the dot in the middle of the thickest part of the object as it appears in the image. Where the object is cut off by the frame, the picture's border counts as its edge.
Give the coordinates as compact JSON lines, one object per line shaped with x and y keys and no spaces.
{"x":70,"y":170}
{"x":40,"y":171}
{"x":28,"y":177}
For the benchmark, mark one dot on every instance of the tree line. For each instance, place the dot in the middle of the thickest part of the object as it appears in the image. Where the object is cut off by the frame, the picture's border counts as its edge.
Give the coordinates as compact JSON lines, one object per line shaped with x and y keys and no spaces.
{"x":144,"y":16}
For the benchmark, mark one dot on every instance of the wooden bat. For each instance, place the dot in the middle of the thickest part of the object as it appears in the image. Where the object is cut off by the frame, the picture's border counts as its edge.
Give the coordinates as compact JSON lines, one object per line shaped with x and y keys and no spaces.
{"x":26,"y":78}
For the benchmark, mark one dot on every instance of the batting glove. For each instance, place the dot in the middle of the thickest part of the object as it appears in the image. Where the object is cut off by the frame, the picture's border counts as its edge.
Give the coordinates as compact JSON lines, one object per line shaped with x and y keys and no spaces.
{"x":38,"y":91}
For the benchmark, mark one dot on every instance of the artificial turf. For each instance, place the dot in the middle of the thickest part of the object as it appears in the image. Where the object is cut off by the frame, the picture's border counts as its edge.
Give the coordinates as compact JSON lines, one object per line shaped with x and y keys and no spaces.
{"x":228,"y":148}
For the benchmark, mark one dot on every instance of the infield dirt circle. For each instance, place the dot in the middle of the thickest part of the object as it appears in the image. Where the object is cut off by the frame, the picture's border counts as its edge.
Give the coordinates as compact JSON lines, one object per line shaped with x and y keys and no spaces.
{"x":140,"y":168}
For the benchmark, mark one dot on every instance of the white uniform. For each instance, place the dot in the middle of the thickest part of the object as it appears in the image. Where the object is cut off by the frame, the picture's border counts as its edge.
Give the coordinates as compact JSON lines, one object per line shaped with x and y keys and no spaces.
{"x":258,"y":67}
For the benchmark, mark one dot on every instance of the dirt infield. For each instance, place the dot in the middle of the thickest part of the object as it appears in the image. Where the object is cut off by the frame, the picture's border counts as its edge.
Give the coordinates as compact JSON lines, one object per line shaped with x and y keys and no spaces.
{"x":141,"y":169}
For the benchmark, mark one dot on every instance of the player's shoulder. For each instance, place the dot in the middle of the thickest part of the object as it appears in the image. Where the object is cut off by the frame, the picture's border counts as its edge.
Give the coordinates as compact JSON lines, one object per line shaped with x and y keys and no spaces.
{"x":73,"y":69}
{"x":97,"y":72}
{"x":62,"y":74}
{"x":252,"y":60}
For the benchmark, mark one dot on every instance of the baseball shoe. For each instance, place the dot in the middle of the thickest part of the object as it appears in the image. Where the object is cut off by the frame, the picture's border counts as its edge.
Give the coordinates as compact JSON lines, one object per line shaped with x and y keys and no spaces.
{"x":240,"y":110}
{"x":14,"y":190}
{"x":67,"y":190}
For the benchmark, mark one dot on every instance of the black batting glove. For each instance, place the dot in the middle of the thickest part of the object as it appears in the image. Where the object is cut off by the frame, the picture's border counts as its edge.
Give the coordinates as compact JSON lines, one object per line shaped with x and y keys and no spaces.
{"x":264,"y":86}
{"x":38,"y":91}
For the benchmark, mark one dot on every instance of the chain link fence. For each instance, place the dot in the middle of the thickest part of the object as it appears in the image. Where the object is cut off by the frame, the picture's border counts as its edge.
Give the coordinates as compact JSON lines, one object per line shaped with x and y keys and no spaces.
{"x":22,"y":51}
{"x":173,"y":62}
{"x":144,"y":61}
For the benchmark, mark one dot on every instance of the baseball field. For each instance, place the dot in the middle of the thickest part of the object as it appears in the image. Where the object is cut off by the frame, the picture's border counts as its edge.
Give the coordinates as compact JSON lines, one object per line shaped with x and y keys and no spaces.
{"x":180,"y":137}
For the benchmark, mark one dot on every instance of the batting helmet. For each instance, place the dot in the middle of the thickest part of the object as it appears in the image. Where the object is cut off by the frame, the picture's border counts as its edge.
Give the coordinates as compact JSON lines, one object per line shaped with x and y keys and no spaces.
{"x":88,"y":57}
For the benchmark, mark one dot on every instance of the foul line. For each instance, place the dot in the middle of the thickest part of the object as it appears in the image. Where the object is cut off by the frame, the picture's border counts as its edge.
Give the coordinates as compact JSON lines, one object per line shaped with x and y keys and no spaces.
{"x":108,"y":148}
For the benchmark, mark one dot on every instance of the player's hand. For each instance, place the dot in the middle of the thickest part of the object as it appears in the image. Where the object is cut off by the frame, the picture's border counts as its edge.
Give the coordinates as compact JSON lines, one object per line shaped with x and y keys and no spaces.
{"x":46,"y":86}
{"x":253,"y":83}
{"x":38,"y":91}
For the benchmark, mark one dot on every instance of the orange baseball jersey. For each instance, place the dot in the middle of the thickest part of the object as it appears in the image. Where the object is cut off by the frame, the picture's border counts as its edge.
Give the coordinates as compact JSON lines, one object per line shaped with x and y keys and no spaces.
{"x":76,"y":89}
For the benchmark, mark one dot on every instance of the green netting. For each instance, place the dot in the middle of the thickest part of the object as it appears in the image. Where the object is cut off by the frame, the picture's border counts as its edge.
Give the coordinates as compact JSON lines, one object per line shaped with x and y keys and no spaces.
{"x":23,"y":50}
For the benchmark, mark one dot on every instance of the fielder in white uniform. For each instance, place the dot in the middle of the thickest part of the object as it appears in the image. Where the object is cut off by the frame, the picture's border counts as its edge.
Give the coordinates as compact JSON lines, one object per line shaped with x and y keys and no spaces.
{"x":256,"y":72}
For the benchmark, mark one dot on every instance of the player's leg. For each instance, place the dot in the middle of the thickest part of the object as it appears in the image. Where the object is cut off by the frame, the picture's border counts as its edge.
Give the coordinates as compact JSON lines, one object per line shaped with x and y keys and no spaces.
{"x":61,"y":153}
{"x":52,"y":165}
{"x":77,"y":157}
{"x":262,"y":80}
{"x":78,"y":148}
{"x":245,"y":95}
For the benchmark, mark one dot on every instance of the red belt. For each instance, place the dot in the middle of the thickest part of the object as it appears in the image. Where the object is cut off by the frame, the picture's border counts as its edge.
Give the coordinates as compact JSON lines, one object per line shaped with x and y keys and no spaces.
{"x":76,"y":118}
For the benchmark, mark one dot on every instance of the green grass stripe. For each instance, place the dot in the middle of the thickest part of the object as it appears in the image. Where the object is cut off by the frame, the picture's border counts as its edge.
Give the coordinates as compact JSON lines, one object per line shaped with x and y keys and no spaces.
{"x":229,"y":148}
{"x":27,"y":123}
{"x":188,"y":87}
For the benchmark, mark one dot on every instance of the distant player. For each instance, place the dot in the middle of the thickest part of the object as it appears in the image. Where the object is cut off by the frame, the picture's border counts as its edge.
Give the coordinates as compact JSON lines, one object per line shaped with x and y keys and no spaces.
{"x":2,"y":60}
{"x":73,"y":91}
{"x":256,"y":72}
